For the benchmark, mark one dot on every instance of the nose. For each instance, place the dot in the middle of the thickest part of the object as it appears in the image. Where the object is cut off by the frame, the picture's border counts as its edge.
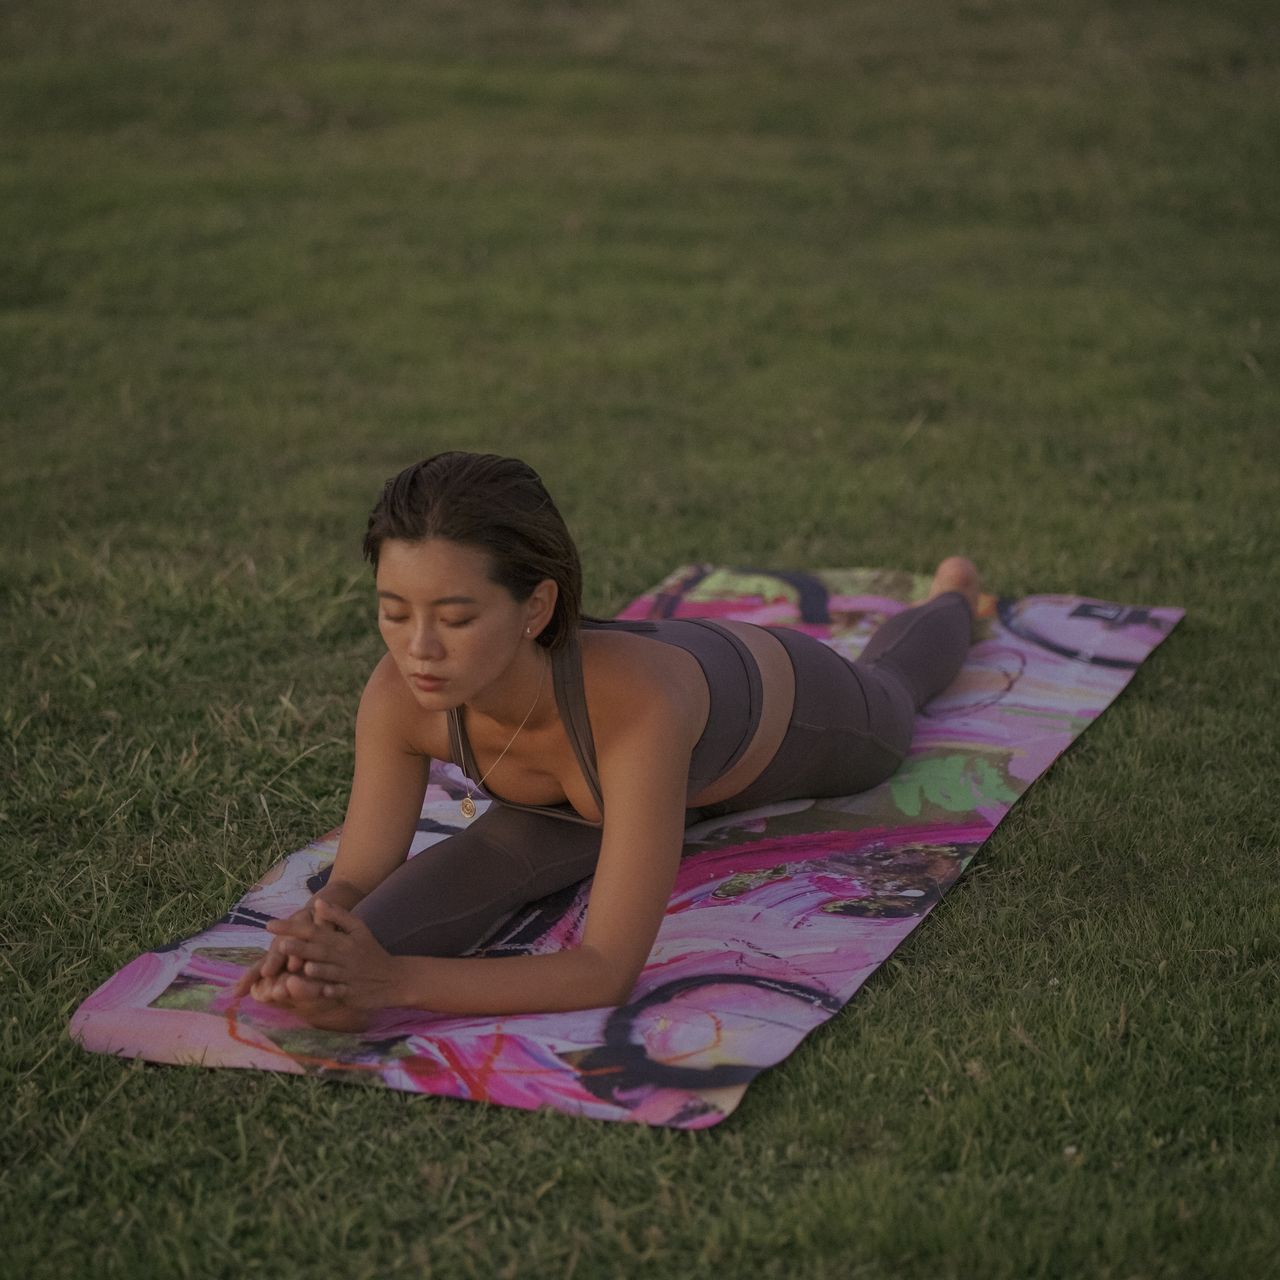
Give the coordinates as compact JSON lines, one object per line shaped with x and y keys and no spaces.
{"x":425,"y":646}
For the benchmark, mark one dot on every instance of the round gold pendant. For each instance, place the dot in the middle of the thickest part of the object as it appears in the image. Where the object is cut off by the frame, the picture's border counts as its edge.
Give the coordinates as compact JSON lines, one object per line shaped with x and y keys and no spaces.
{"x":468,"y":807}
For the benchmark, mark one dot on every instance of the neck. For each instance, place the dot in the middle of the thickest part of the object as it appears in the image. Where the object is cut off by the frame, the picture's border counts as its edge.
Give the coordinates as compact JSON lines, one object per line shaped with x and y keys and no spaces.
{"x":523,"y":694}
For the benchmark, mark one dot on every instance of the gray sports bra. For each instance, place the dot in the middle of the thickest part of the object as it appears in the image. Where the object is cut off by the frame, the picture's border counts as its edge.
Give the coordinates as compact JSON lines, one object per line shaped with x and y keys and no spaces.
{"x":733,"y":682}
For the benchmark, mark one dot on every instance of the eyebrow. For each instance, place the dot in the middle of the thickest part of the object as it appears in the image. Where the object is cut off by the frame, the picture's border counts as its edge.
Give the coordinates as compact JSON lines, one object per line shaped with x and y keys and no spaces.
{"x":391,"y":595}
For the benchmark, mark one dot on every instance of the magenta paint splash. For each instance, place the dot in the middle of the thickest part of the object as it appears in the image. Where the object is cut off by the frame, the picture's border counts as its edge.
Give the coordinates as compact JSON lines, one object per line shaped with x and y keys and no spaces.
{"x":778,"y":915}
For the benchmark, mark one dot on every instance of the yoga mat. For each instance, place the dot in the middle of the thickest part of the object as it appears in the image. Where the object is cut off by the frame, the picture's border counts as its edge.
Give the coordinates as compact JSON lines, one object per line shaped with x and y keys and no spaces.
{"x":778,"y":915}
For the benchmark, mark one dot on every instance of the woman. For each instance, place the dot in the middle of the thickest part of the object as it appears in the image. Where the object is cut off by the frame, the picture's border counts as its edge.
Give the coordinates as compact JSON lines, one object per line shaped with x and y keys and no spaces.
{"x":598,"y":742}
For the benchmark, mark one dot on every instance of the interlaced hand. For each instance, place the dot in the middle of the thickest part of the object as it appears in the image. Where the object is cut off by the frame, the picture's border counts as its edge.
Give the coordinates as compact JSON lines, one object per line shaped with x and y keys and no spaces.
{"x":336,"y":951}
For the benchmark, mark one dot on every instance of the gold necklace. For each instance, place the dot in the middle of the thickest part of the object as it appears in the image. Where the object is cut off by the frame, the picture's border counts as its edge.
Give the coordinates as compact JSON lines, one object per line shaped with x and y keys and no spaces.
{"x":467,"y":804}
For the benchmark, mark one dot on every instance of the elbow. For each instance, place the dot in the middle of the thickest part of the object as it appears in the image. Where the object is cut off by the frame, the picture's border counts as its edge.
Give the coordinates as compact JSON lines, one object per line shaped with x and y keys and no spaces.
{"x":618,"y":993}
{"x":623,"y":984}
{"x":612,"y":983}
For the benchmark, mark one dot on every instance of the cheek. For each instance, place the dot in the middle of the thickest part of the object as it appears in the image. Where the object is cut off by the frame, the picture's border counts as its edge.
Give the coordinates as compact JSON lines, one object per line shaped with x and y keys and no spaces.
{"x":482,"y":646}
{"x":472,"y":644}
{"x":393,"y":637}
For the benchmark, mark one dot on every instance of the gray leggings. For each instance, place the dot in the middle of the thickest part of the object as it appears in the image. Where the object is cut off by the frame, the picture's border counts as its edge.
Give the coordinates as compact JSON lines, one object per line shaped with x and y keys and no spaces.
{"x":850,"y":730}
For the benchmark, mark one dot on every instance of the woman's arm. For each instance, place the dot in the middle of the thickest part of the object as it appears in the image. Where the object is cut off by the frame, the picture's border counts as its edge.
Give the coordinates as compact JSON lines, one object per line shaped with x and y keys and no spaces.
{"x":382,"y":814}
{"x":643,"y":776}
{"x":644,"y":758}
{"x":387,"y":786}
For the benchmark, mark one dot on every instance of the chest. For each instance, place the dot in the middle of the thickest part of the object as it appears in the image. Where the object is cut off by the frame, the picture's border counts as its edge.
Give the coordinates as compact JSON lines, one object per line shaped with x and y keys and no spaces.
{"x":538,"y":768}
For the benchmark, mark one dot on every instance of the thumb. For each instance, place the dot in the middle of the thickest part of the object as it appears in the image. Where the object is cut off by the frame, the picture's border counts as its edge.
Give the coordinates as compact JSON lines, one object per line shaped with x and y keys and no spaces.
{"x":246,"y":980}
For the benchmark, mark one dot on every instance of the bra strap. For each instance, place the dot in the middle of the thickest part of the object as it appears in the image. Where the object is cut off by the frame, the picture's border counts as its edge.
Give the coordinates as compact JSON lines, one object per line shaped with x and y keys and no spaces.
{"x":566,"y":674}
{"x":459,"y":746}
{"x":571,"y":698}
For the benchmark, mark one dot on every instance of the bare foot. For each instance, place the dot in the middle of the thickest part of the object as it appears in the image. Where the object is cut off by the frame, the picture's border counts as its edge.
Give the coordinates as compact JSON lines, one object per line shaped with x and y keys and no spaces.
{"x":956,"y":573}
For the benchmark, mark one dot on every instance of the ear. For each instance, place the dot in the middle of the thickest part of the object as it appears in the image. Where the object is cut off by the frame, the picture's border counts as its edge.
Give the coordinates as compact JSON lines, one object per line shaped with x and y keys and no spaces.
{"x":540,"y":606}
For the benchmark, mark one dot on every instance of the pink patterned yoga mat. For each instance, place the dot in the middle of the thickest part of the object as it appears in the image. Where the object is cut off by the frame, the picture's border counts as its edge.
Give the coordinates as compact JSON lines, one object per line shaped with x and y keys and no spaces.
{"x":778,"y":915}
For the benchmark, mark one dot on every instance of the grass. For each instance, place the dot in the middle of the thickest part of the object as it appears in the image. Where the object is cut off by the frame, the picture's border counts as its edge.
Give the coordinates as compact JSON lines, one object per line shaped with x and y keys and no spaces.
{"x":814,"y":284}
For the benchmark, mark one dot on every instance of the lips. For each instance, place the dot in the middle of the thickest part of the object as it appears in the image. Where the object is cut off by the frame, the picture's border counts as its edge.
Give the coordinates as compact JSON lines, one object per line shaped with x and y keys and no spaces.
{"x":426,"y":683}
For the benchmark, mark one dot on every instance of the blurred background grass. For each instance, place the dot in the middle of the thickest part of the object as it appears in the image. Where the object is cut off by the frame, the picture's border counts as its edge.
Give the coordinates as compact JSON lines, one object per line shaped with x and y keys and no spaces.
{"x":820,"y":284}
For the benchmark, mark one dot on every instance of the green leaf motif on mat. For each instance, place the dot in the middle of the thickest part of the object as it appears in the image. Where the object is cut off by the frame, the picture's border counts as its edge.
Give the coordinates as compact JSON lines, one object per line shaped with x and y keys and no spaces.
{"x":745,"y":881}
{"x":957,"y":783}
{"x":729,"y":584}
{"x":722,"y":584}
{"x":185,"y":993}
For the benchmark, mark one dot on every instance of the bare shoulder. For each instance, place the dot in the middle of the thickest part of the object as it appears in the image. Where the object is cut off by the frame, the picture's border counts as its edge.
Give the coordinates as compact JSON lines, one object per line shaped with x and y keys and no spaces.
{"x":389,"y":711}
{"x":631,"y":679}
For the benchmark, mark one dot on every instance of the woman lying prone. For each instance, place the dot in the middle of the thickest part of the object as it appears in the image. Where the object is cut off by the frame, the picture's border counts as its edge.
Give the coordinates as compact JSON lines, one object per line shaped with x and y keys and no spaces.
{"x":597,"y":742}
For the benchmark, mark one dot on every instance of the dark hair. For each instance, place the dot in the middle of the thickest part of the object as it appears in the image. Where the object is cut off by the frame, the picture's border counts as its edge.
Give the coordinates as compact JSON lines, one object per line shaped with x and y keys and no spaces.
{"x":495,"y":503}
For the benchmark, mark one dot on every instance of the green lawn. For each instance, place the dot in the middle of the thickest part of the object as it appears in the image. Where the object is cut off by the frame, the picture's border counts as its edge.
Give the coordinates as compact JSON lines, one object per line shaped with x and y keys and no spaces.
{"x":803,"y":284}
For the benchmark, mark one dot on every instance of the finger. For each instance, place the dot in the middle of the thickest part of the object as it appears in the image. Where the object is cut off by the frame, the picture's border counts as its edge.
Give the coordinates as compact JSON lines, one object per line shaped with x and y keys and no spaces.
{"x":334,"y":990}
{"x":339,"y":917}
{"x":271,"y":963}
{"x":300,"y":949}
{"x":252,"y":975}
{"x":299,"y":926}
{"x":263,"y":991}
{"x":303,"y":989}
{"x":246,"y":980}
{"x":324,"y":972}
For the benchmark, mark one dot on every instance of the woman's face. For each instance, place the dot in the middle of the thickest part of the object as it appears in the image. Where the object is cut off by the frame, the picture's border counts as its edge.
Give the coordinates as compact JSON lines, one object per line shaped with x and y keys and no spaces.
{"x":450,"y":629}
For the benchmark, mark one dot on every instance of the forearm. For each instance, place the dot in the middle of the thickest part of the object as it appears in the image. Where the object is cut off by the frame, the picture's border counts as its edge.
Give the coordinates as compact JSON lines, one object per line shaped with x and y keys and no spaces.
{"x":340,"y":892}
{"x":574,"y":979}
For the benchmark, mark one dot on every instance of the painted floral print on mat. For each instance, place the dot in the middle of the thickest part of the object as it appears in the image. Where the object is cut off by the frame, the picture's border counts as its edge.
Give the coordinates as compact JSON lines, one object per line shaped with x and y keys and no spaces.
{"x":778,"y":916}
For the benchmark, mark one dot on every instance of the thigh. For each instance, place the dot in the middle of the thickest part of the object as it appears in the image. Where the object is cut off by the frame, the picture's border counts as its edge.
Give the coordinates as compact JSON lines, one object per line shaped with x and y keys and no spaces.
{"x":451,"y":895}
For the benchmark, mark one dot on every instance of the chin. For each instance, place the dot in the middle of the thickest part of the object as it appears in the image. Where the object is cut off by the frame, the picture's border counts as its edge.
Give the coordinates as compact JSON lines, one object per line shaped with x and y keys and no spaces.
{"x":439,"y":700}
